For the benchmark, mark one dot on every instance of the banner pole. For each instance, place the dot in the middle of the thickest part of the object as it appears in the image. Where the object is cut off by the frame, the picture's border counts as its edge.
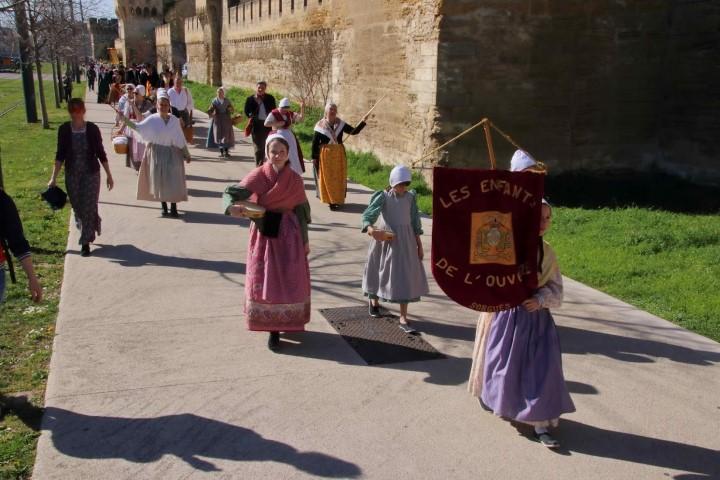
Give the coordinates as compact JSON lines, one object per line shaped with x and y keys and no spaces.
{"x":488,"y":139}
{"x":465,"y":132}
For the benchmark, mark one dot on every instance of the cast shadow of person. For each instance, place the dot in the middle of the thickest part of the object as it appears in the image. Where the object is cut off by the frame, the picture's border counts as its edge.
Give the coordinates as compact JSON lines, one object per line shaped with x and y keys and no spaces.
{"x":599,"y":442}
{"x":131,"y":256}
{"x":576,"y":341}
{"x":186,"y":436}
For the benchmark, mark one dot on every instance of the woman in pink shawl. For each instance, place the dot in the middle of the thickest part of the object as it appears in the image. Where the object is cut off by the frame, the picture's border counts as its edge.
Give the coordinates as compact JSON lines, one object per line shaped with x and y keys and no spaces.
{"x":277,"y":283}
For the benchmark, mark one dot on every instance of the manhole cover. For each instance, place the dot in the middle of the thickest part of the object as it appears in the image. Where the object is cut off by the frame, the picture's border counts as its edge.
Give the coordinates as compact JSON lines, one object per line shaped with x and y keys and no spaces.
{"x":378,"y":340}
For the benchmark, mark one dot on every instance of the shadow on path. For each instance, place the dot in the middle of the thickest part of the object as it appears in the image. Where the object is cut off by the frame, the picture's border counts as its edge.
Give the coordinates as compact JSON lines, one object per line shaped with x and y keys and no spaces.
{"x":628,"y":447}
{"x":627,"y":349}
{"x":186,"y":436}
{"x":131,"y":256}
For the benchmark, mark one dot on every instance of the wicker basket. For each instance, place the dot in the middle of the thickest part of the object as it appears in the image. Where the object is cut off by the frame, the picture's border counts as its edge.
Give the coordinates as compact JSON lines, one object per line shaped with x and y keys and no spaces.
{"x":120,"y":141}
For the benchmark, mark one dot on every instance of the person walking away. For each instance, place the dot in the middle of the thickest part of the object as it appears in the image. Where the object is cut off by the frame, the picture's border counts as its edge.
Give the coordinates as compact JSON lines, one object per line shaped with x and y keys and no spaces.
{"x":67,"y":87}
{"x":517,"y":363}
{"x":181,"y":99}
{"x":221,"y":133}
{"x":104,"y":81}
{"x":394,"y":271}
{"x":13,"y":241}
{"x":277,"y":283}
{"x":281,"y":121}
{"x":80,"y":149}
{"x":162,"y":172}
{"x":91,"y":74}
{"x":329,"y":158}
{"x":257,"y":108}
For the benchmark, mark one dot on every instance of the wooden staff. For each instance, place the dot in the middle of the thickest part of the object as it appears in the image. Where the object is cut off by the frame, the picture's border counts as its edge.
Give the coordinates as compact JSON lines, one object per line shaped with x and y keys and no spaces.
{"x":462,"y":134}
{"x":365,"y":117}
{"x":488,"y":139}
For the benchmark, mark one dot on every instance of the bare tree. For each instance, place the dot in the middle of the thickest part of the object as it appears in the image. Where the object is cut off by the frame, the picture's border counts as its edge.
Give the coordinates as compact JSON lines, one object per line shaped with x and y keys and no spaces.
{"x":311,"y":67}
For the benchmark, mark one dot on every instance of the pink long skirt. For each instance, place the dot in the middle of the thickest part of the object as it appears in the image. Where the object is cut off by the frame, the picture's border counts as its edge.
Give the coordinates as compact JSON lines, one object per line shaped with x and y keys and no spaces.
{"x":277,"y":282}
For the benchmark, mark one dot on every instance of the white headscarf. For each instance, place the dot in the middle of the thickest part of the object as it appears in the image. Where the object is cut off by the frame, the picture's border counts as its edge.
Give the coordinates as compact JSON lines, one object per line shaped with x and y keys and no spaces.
{"x":400,"y":174}
{"x":521,"y":160}
{"x":140,"y":89}
{"x":162,"y":93}
{"x":284,"y":103}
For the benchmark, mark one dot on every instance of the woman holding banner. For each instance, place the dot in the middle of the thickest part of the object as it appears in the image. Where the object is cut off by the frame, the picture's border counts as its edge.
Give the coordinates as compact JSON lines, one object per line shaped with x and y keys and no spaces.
{"x":517,"y":365}
{"x":328,"y":154}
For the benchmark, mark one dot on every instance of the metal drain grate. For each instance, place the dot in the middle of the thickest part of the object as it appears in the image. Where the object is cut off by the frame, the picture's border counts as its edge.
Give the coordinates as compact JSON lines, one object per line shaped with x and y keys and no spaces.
{"x":378,"y":340}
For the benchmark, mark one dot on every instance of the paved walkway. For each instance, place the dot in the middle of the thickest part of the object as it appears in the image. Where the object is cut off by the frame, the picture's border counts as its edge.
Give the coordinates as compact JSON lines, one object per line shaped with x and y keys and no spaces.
{"x":153,"y":374}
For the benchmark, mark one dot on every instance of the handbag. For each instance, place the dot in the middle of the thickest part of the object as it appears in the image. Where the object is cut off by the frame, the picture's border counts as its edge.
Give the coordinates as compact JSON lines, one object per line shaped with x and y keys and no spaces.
{"x":55,"y":197}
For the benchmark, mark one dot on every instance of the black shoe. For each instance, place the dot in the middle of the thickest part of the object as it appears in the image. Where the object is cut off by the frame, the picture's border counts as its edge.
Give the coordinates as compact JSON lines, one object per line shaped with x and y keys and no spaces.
{"x":274,"y":341}
{"x":227,"y":154}
{"x":546,"y":440}
{"x":173,"y":211}
{"x":222,"y":154}
{"x":334,"y":206}
{"x":374,"y":311}
{"x":85,"y":250}
{"x":164,"y":209}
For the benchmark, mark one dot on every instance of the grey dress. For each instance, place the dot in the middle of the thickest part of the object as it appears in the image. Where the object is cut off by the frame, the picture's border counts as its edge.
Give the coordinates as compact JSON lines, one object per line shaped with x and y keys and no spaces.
{"x":393,"y":271}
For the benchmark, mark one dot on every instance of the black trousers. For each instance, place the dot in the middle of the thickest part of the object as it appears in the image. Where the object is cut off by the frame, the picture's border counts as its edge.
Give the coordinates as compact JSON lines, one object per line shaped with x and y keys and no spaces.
{"x":259,"y":136}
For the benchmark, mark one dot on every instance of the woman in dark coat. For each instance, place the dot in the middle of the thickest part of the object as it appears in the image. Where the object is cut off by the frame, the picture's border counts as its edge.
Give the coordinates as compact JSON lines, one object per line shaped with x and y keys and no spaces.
{"x":80,"y":149}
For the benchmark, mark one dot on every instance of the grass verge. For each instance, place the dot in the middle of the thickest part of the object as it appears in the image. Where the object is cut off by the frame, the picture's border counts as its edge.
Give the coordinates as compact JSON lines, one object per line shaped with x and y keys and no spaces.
{"x":647,"y":250}
{"x":27,"y":329}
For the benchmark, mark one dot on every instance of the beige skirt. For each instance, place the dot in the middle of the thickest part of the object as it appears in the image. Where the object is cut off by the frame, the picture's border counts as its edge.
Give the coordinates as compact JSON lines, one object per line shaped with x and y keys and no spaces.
{"x":475,"y":382}
{"x":162,"y":175}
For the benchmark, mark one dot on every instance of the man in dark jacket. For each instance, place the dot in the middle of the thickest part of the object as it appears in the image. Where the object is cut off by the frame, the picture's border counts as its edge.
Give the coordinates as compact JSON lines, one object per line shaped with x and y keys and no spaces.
{"x":257,"y":108}
{"x":13,"y":238}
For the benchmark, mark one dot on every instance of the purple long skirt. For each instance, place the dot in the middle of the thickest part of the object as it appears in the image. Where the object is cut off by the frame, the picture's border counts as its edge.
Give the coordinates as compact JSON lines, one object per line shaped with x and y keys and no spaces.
{"x":523,"y":377}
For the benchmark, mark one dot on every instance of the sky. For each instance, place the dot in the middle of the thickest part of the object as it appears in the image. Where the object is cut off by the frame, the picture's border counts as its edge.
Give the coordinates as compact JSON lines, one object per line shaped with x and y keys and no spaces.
{"x":106,"y":8}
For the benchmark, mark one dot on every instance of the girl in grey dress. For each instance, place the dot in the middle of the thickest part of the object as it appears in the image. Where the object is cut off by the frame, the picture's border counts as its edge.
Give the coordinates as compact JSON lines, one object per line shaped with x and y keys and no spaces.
{"x":394,"y":271}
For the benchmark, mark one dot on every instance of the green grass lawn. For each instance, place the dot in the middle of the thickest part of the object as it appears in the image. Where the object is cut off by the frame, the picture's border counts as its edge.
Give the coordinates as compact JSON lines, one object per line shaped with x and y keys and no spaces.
{"x":657,"y":251}
{"x":27,"y":329}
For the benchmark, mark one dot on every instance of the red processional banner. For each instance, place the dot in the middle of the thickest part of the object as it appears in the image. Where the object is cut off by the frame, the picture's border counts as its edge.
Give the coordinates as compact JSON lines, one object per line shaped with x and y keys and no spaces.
{"x":485,"y":236}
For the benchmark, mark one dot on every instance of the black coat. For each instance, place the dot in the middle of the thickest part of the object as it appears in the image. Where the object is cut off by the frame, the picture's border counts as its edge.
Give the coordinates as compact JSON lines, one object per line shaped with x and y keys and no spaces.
{"x":95,"y":149}
{"x":11,"y":230}
{"x":252,"y":107}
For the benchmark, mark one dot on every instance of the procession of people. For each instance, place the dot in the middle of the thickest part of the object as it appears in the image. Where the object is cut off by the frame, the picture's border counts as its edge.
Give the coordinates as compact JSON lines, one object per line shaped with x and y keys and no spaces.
{"x":517,"y":368}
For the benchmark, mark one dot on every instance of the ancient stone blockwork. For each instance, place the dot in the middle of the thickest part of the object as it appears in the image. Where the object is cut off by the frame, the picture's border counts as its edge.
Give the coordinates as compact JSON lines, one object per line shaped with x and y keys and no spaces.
{"x":203,"y":42}
{"x":137,"y":20}
{"x":102,"y":33}
{"x":584,"y":85}
{"x":379,"y":47}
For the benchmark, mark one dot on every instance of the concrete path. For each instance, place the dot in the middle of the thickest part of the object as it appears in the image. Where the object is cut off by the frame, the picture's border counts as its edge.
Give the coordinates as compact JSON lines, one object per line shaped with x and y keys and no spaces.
{"x":154,"y":376}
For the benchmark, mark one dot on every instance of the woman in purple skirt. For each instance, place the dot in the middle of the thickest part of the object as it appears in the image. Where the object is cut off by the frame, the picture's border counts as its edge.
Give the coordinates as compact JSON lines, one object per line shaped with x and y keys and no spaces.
{"x":517,"y":365}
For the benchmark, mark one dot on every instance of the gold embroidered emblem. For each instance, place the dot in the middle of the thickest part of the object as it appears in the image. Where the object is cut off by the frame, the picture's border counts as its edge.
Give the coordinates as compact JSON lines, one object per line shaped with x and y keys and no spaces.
{"x":492,"y":238}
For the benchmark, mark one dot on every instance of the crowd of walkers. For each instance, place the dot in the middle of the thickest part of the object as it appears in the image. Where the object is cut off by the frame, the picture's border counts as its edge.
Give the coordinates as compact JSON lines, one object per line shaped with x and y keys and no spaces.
{"x":516,"y":371}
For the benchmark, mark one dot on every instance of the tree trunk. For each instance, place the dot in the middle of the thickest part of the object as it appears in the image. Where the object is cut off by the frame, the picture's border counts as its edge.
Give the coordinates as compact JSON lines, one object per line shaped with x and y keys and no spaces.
{"x":58,"y":78}
{"x":55,"y":85}
{"x":25,"y":64}
{"x":41,"y":88}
